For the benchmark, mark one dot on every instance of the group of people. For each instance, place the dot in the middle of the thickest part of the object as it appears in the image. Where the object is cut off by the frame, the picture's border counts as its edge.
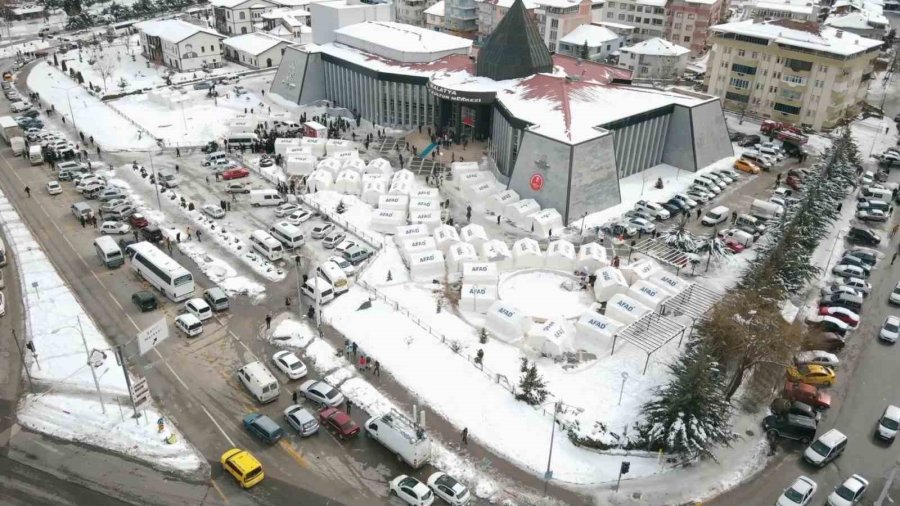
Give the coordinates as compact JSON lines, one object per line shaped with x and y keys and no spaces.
{"x":363,"y":363}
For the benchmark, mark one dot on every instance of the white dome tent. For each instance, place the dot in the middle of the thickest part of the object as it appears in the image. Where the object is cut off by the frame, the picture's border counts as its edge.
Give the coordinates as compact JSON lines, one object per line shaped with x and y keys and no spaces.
{"x":348,"y":182}
{"x":426,"y":193}
{"x":594,"y":332}
{"x":546,"y":221}
{"x":506,"y":322}
{"x":591,"y":256}
{"x":420,"y":204}
{"x":497,"y":252}
{"x":639,"y":269}
{"x":379,"y":166}
{"x":445,"y":236}
{"x":394,"y":202}
{"x":480,"y":192}
{"x":669,"y":282}
{"x":409,"y":232}
{"x":331,"y":165}
{"x":372,"y":192}
{"x":299,"y":165}
{"x":431,"y":219}
{"x":497,"y":202}
{"x":560,"y":256}
{"x":460,"y":169}
{"x":625,"y":309}
{"x":403,"y":175}
{"x":400,"y":187}
{"x":480,"y":273}
{"x":319,"y":180}
{"x":520,"y":212}
{"x":427,"y":266}
{"x":527,"y":254}
{"x":414,"y":246}
{"x":477,"y":298}
{"x":550,"y":338}
{"x":647,"y":294}
{"x":609,"y":282}
{"x":458,"y":254}
{"x":355,"y":164}
{"x":315,"y":144}
{"x":386,"y":221}
{"x":282,"y":143}
{"x":474,"y":234}
{"x":334,"y":146}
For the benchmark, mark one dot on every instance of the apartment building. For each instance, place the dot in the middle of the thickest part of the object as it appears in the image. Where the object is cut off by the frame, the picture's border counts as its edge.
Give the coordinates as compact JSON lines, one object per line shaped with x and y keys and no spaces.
{"x":799,"y":10}
{"x":411,"y":12}
{"x":590,"y":42}
{"x":790,"y":71}
{"x":648,"y":17}
{"x":461,"y":17}
{"x":556,"y":18}
{"x":434,"y":16}
{"x":490,"y":12}
{"x":688,"y":22}
{"x":179,"y":45}
{"x":233,"y":17}
{"x":656,"y":59}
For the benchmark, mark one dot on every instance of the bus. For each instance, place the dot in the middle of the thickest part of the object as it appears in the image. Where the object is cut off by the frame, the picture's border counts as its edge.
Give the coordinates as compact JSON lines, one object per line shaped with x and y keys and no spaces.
{"x":158,"y":269}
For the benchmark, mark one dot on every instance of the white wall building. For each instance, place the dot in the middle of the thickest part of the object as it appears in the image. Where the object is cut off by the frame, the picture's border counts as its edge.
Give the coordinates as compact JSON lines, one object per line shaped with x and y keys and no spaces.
{"x":648,"y":17}
{"x":258,"y":50}
{"x":239,"y":16}
{"x":434,"y":17}
{"x":800,"y":10}
{"x":326,"y":17}
{"x":411,"y":12}
{"x":600,"y":42}
{"x":556,"y":18}
{"x":654,"y":59}
{"x":862,"y":23}
{"x":180,"y":45}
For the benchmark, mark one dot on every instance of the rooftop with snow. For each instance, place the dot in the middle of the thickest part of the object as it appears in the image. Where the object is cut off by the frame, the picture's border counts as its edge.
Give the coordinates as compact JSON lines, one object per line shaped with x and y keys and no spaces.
{"x":411,"y":43}
{"x":802,"y":35}
{"x":254,"y":43}
{"x":593,"y":35}
{"x":656,"y":47}
{"x":173,"y":30}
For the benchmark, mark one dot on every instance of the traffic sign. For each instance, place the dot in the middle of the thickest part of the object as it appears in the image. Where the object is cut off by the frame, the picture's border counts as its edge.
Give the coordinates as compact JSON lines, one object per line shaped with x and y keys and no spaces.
{"x":152,"y":335}
{"x":140,"y":395}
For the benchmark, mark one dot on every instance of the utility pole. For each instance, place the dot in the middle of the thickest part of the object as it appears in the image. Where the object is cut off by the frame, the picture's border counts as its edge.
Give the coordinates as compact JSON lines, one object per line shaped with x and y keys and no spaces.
{"x":155,"y":181}
{"x":548,"y":475}
{"x":22,"y":358}
{"x":298,"y":265}
{"x":91,"y":366}
{"x":120,"y":358}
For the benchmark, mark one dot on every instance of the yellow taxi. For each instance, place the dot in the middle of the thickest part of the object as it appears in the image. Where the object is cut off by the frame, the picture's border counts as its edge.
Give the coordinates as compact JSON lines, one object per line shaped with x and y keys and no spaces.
{"x":812,"y":374}
{"x":243,"y":466}
{"x":746,"y":166}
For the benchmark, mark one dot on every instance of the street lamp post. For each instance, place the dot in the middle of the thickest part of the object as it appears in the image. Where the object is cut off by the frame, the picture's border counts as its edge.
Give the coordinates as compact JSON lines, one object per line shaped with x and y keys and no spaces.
{"x":549,"y":474}
{"x":69,"y":101}
{"x":155,"y":181}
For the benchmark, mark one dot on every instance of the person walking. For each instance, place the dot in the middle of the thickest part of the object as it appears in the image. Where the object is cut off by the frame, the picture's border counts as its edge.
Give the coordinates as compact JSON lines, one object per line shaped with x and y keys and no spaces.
{"x":198,"y":236}
{"x":465,"y":436}
{"x":349,"y":409}
{"x":362,"y":362}
{"x":376,"y":369}
{"x":733,"y":217}
{"x":189,"y":233}
{"x":82,"y":221}
{"x":894,"y":229}
{"x":94,"y":221}
{"x":353,"y":347}
{"x":268,"y":321}
{"x":287,"y":302}
{"x":28,"y":191}
{"x":699,"y":212}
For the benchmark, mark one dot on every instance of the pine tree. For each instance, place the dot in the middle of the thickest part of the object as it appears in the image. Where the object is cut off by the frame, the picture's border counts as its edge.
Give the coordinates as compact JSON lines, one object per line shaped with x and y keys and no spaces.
{"x":689,"y":416}
{"x":532,"y":387}
{"x":585,"y":52}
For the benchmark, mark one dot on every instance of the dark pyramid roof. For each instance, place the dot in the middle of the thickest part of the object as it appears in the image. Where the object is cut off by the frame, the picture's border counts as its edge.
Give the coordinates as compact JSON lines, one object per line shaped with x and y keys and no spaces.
{"x":514,"y":49}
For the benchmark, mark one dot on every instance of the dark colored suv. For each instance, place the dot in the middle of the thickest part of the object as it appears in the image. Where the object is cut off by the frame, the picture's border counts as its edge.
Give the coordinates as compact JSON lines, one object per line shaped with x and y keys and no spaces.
{"x":145,"y":301}
{"x":152,"y":233}
{"x":858,"y":235}
{"x":263,"y":427}
{"x":799,"y":428}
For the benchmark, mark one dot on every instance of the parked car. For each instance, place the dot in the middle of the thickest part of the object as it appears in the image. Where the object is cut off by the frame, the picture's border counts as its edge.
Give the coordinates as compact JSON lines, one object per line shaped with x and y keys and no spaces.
{"x":237,"y":188}
{"x":321,"y":393}
{"x":216,"y":298}
{"x":114,"y":227}
{"x":168,"y":180}
{"x":840,"y":288}
{"x":189,"y":324}
{"x":137,"y":221}
{"x":263,"y":427}
{"x":345,"y":266}
{"x":746,"y":166}
{"x":784,"y":407}
{"x":889,"y":423}
{"x":858,"y":235}
{"x":890,"y":329}
{"x":841,"y":313}
{"x":199,"y":308}
{"x":749,"y":140}
{"x":811,"y":374}
{"x":876,"y":215}
{"x":145,"y":301}
{"x":642,"y":225}
{"x":53,"y":188}
{"x":289,"y":364}
{"x":411,"y":491}
{"x":798,"y":428}
{"x":817,"y":357}
{"x":800,"y":493}
{"x":301,"y":420}
{"x":243,"y":466}
{"x":235,"y":173}
{"x":895,"y":295}
{"x":849,"y":270}
{"x":333,"y":239}
{"x":285,"y":209}
{"x":213,"y":211}
{"x":339,"y":422}
{"x":808,"y":394}
{"x":826,"y":448}
{"x":850,"y":492}
{"x":299,"y":216}
{"x":449,"y":489}
{"x":321,"y":230}
{"x":858,"y":283}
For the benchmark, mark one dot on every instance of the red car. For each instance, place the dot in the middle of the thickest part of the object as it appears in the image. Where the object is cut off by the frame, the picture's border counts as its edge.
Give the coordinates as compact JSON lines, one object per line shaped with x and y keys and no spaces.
{"x":138,"y":221}
{"x":235,"y":173}
{"x":807,"y":394}
{"x":338,"y":421}
{"x":734,"y":245}
{"x":845,"y":315}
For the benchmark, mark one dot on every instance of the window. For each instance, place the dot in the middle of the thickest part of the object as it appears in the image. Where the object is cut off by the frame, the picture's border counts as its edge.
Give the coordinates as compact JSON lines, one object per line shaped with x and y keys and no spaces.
{"x":657,"y":22}
{"x":611,"y":5}
{"x":737,"y":97}
{"x":739,"y":83}
{"x":794,"y":79}
{"x":743,"y":69}
{"x":787,"y":109}
{"x":689,"y":28}
{"x":798,"y":65}
{"x":741,"y":52}
{"x":679,"y":14}
{"x":691,"y":16}
{"x":631,"y":7}
{"x":228,"y":14}
{"x":621,"y":17}
{"x":242,"y":15}
{"x":637,"y":20}
{"x":677,"y":26}
{"x":823,"y":68}
{"x":630,"y":18}
{"x":687,"y":39}
{"x":554,"y":23}
{"x":610,"y":15}
{"x":792,"y":95}
{"x":754,"y":55}
{"x":773,"y":89}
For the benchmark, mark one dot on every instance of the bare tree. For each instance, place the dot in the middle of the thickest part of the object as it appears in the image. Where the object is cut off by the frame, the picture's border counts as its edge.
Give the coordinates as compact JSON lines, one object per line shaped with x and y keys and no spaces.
{"x":104,"y":67}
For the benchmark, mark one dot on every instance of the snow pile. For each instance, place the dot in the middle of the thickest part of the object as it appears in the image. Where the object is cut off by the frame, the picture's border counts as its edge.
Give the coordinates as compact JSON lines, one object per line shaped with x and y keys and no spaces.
{"x":292,"y":334}
{"x":60,"y":330}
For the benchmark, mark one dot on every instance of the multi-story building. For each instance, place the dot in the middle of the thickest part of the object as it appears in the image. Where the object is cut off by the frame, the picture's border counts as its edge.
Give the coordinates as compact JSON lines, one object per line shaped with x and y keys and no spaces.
{"x":180,"y":45}
{"x":234,"y":17}
{"x":688,"y":22}
{"x":790,"y":71}
{"x":862,"y":23}
{"x":327,"y":17}
{"x":556,"y":18}
{"x":434,"y":16}
{"x":590,"y":42}
{"x":490,"y":12}
{"x":656,"y":59}
{"x":648,"y":17}
{"x":461,"y":17}
{"x":800,"y":10}
{"x":411,"y":12}
{"x":258,"y":49}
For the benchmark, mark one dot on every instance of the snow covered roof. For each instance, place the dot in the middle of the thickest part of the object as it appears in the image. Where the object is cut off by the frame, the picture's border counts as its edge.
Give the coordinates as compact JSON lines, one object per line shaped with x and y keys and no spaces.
{"x":28,"y":9}
{"x":617,"y":26}
{"x":592,"y":34}
{"x":506,"y":4}
{"x":436,"y":10}
{"x":280,"y":31}
{"x":227,"y":4}
{"x":559,"y":4}
{"x":254,"y":43}
{"x":172,"y":30}
{"x":803,"y":35}
{"x":656,"y":47}
{"x":860,"y":20}
{"x":375,"y":35}
{"x":794,"y":6}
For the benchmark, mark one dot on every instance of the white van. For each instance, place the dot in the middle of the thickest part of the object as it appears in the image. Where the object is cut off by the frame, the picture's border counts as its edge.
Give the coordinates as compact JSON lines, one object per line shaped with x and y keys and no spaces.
{"x":882,"y":193}
{"x":259,"y":381}
{"x":266,"y":245}
{"x":402,"y":436}
{"x":715,"y":216}
{"x":35,"y":155}
{"x":317,"y":289}
{"x":332,"y":272}
{"x":766,"y":210}
{"x":18,"y":145}
{"x":242,"y":139}
{"x":289,"y":235}
{"x":108,"y":251}
{"x":267,"y":197}
{"x":214,"y":157}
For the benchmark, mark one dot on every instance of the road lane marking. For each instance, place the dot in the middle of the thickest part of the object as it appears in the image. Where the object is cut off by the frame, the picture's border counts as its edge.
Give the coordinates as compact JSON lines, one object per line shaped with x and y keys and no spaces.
{"x":297,"y":456}
{"x":238,"y":339}
{"x":218,"y":491}
{"x":218,"y":426}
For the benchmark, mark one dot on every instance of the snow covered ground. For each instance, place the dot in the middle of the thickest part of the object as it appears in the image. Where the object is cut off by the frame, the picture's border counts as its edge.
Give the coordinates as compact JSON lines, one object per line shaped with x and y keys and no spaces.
{"x":63,"y":335}
{"x":111,"y":130}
